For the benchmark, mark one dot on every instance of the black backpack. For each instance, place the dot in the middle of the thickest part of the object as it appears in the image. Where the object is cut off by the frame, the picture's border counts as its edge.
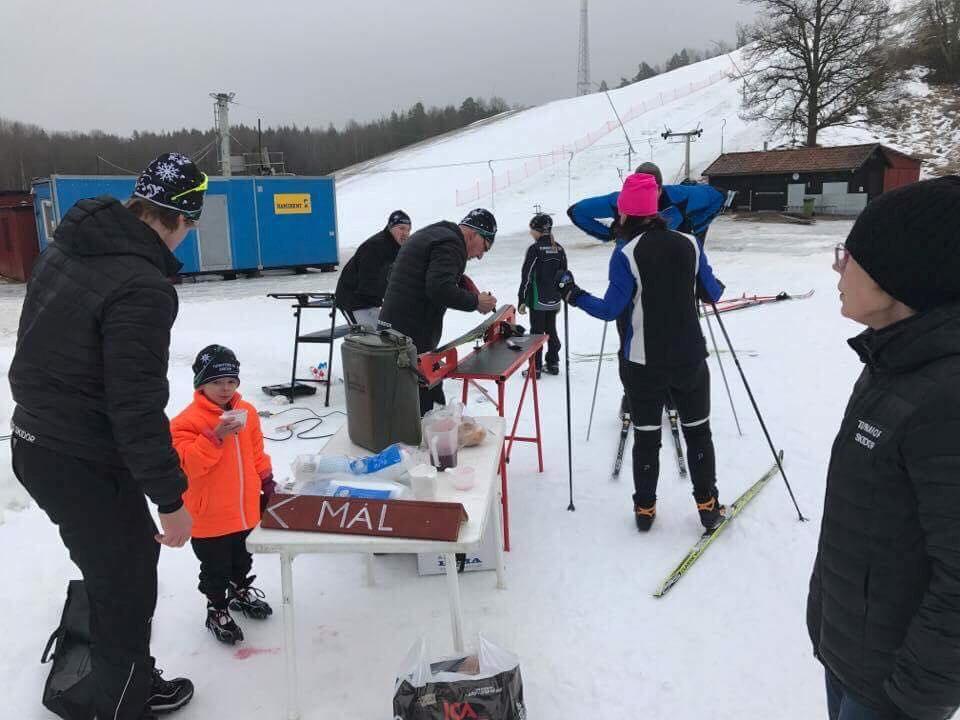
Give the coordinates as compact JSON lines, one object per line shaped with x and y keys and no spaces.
{"x":69,"y":689}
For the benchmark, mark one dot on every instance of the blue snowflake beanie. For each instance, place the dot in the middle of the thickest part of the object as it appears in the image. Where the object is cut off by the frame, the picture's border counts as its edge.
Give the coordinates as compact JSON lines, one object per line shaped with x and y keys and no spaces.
{"x":172,"y":181}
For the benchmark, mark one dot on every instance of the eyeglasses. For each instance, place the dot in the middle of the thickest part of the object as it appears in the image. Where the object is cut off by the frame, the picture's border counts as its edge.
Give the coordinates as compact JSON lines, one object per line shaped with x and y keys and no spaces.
{"x":840,"y":257}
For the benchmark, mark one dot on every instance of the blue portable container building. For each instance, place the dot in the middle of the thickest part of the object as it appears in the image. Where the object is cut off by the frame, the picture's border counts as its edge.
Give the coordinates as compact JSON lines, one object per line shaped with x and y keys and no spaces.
{"x":249,"y":223}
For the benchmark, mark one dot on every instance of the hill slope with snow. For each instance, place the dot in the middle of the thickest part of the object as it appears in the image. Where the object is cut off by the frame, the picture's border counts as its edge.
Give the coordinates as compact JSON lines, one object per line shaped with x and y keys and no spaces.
{"x":553,"y":154}
{"x":531,"y":153}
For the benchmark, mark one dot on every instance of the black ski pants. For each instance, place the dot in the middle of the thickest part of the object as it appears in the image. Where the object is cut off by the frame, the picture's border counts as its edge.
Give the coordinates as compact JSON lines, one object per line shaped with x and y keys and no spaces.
{"x":648,"y":391}
{"x":545,"y":321}
{"x":103,"y":520}
{"x":223,"y":560}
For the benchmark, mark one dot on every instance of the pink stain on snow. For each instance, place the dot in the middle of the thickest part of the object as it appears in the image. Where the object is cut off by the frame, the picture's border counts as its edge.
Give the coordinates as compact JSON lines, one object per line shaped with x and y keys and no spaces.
{"x":244,"y":653}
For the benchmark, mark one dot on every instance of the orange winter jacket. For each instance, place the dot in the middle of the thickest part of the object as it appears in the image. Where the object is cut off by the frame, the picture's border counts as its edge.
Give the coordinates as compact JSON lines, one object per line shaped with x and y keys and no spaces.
{"x":224,"y":477}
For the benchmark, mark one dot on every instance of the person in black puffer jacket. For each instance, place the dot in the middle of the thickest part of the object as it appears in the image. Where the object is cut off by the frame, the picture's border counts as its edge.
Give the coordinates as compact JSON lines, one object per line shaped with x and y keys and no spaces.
{"x":90,"y":437}
{"x":363,"y":280}
{"x":544,"y":262}
{"x":427,"y":278}
{"x":883,"y":610}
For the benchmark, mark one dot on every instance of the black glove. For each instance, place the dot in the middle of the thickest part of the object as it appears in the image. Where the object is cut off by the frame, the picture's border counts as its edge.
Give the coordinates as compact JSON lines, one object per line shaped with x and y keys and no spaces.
{"x":614,"y":228}
{"x":568,"y":288}
{"x":704,"y":296}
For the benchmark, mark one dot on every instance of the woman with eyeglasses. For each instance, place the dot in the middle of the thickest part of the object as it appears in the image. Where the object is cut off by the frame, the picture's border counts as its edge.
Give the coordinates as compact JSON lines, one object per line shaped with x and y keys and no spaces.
{"x":884,"y":605}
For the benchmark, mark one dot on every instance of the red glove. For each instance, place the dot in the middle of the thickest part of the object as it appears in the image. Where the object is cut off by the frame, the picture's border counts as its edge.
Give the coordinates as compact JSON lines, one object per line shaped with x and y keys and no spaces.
{"x":469,"y":285}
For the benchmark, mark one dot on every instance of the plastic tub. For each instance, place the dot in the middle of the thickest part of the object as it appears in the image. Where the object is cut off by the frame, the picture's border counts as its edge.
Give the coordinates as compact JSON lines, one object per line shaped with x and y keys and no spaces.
{"x":462,"y":478}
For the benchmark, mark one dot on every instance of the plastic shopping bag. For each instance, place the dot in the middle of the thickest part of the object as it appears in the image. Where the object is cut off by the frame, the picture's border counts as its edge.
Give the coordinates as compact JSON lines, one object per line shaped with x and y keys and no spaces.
{"x":485,"y":685}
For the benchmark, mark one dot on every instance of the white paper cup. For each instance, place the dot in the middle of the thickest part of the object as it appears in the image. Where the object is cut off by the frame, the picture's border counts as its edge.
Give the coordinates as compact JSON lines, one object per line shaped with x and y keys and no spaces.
{"x":423,"y":482}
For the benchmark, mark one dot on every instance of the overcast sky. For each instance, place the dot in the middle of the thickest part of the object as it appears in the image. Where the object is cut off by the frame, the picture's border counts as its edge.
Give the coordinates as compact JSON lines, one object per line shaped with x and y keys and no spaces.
{"x":120,"y":65}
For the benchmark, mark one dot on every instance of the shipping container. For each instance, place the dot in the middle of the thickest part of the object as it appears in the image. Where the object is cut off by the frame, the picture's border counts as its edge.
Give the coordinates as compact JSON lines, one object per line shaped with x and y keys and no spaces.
{"x":248,"y":223}
{"x":18,"y":235}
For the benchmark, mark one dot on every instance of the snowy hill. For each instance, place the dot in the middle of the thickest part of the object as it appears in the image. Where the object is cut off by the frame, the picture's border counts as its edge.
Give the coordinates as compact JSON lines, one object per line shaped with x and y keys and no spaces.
{"x":530,"y":151}
{"x":445,"y":178}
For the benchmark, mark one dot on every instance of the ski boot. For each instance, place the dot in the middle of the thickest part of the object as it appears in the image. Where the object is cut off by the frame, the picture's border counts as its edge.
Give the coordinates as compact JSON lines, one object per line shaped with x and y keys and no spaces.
{"x":645,"y":516}
{"x":221,"y":624}
{"x":712,"y":513}
{"x":553,"y":369}
{"x":527,"y":372}
{"x":168,"y":695}
{"x":247,"y":599}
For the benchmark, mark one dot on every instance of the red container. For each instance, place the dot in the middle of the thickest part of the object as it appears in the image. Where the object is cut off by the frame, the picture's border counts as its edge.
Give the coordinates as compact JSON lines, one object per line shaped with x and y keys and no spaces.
{"x":18,"y":235}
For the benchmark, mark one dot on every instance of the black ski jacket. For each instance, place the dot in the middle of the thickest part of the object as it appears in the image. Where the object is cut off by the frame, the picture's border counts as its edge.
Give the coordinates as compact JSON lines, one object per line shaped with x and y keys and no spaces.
{"x":543,"y":263}
{"x":89,"y":376}
{"x":884,"y":605}
{"x":424,"y":282}
{"x":363,"y":280}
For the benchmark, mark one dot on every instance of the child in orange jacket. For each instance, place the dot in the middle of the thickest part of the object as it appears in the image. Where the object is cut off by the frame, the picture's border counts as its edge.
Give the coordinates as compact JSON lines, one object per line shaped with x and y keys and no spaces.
{"x":220,"y":444}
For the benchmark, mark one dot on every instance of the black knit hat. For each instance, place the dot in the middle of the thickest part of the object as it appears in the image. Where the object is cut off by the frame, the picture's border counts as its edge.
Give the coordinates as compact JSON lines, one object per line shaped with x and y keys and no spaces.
{"x":398,"y":217}
{"x":483,"y":222}
{"x":542,"y":223}
{"x":173,"y":181}
{"x":649,"y":168}
{"x":215,"y":362}
{"x":908,"y":241}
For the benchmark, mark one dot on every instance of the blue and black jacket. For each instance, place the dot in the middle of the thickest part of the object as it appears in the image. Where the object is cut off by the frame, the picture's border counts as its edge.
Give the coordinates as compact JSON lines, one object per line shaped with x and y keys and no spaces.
{"x":542,"y":265}
{"x":686,"y":208}
{"x":652,"y":294}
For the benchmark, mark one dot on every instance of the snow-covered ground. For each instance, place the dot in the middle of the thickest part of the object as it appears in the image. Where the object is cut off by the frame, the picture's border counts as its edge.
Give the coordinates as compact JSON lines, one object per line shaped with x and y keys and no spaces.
{"x":728,"y":642}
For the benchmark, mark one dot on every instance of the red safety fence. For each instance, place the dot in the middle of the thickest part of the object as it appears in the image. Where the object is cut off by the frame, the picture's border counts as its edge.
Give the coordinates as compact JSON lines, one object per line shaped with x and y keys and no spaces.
{"x":487,"y":186}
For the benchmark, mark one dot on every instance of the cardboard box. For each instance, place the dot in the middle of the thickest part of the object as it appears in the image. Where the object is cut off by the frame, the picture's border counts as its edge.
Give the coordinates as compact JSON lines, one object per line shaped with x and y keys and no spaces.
{"x":482,"y":557}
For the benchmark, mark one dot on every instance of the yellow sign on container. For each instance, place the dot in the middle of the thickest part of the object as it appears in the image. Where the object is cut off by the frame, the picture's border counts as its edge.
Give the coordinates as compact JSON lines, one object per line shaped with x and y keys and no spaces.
{"x":292,"y":204}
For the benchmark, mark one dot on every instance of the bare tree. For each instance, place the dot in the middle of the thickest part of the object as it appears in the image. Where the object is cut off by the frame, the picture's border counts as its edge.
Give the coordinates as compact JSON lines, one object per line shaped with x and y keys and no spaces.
{"x":816,"y":64}
{"x":936,"y":36}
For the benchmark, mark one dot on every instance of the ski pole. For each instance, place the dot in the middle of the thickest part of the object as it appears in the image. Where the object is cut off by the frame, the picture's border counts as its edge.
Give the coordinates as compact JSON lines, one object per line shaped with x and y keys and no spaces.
{"x":566,"y":353}
{"x":723,"y":374}
{"x":756,"y":409}
{"x":596,"y":383}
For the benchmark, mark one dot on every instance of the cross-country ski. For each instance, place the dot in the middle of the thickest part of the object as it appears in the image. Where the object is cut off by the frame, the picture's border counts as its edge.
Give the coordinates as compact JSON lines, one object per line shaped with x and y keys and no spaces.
{"x":747,"y":301}
{"x":708,"y":536}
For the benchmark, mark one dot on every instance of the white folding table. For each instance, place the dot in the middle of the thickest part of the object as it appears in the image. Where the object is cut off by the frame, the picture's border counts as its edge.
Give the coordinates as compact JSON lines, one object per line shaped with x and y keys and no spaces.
{"x":483,"y":506}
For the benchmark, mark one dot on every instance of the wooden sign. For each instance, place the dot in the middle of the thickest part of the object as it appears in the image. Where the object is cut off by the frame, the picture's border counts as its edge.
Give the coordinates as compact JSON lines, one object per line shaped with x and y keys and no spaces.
{"x":419,"y":519}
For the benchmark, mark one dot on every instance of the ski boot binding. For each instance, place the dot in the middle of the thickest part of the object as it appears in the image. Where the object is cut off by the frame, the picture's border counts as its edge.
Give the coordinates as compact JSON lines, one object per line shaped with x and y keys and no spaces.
{"x":712,"y":513}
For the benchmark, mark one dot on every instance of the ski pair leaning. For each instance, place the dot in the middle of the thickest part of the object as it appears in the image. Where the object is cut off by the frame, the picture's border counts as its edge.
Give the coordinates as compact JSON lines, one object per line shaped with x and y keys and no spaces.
{"x":625,"y":432}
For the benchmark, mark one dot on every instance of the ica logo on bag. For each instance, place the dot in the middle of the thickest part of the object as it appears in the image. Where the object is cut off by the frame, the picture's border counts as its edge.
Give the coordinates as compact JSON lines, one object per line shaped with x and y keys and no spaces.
{"x":457,"y":711}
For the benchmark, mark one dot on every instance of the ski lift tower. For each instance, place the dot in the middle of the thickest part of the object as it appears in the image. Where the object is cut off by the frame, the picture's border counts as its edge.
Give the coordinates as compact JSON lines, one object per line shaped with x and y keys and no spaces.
{"x":686,"y":138}
{"x":221,"y":118}
{"x":584,"y":86}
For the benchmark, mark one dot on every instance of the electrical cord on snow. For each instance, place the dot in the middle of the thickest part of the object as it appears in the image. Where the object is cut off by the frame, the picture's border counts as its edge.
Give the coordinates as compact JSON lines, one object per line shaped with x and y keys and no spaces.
{"x":313,"y":418}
